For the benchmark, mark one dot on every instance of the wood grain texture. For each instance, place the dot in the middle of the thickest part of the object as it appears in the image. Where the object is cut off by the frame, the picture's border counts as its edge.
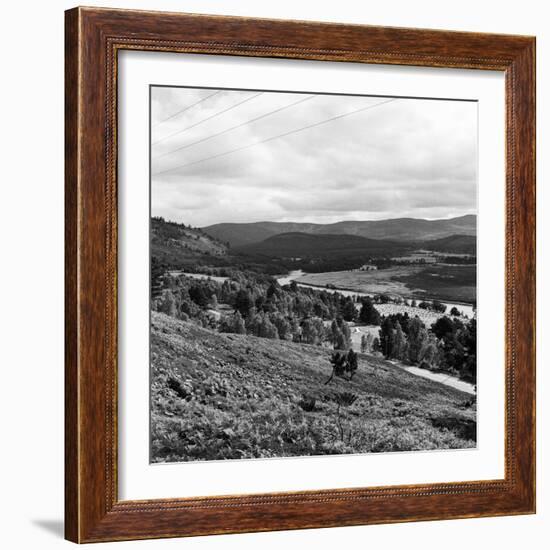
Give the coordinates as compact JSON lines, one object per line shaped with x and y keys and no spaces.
{"x":93,"y":38}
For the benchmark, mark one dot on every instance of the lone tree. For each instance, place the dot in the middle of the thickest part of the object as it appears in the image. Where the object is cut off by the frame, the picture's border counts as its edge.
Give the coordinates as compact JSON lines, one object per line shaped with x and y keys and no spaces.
{"x":344,"y":365}
{"x":385,"y":337}
{"x":364,"y":343}
{"x":352,"y":363}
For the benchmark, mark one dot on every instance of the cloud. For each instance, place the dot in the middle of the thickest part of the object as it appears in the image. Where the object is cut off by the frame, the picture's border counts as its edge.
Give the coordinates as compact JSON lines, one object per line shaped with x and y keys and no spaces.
{"x":217,"y":157}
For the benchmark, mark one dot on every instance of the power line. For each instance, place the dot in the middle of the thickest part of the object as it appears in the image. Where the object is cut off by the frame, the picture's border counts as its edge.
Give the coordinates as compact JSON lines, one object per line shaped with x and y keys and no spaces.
{"x":302,"y":100}
{"x":187,"y":108}
{"x":309,"y":126}
{"x":207,"y":118}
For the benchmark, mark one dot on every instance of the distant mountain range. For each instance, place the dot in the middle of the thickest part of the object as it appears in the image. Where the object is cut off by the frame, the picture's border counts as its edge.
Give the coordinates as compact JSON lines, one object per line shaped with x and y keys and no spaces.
{"x":399,"y":229}
{"x":305,"y":245}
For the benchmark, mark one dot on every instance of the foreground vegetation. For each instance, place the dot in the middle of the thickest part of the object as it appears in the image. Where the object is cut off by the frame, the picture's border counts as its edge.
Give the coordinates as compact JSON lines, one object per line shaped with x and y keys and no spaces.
{"x":219,"y":396}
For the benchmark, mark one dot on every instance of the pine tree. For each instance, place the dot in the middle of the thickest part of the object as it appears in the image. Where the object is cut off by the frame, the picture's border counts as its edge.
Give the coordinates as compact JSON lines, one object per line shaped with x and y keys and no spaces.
{"x":237,"y":323}
{"x":385,"y":337}
{"x":369,"y":314}
{"x":346,"y":333}
{"x":267,"y":329}
{"x":282,"y":325}
{"x":349,"y":311}
{"x":398,"y":343}
{"x":352,"y":363}
{"x":430,"y":356}
{"x":417,"y":337}
{"x":243,"y":302}
{"x":168,"y":304}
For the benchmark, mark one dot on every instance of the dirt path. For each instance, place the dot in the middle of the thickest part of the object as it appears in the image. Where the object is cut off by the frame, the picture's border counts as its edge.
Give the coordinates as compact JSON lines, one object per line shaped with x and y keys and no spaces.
{"x":442,"y":378}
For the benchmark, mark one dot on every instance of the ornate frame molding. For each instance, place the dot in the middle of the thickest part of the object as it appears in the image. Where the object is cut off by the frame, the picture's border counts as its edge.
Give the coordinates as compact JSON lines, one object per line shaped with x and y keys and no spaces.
{"x":93,"y":39}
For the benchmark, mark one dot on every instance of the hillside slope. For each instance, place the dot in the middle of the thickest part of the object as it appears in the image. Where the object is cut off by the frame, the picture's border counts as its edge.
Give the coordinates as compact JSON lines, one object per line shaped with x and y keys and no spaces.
{"x":221,"y":396}
{"x":173,"y":243}
{"x":401,"y":229}
{"x":456,"y":244}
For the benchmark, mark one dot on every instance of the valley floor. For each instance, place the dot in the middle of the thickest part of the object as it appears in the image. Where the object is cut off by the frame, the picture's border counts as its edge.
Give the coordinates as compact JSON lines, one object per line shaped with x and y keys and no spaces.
{"x":442,"y":282}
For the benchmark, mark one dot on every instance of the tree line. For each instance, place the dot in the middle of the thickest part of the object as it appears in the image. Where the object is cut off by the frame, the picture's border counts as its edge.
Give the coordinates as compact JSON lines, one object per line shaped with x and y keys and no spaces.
{"x":259,"y":306}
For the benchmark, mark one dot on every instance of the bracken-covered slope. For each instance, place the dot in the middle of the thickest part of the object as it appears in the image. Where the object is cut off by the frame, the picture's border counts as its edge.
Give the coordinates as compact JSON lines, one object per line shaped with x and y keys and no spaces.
{"x":222,"y":396}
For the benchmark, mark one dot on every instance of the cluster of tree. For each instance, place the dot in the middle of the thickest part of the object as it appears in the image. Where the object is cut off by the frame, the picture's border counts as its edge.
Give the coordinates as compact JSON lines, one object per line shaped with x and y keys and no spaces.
{"x":458,"y":345}
{"x":448,"y":345}
{"x":339,"y":335}
{"x":434,"y":305}
{"x":309,"y":264}
{"x":261,"y":307}
{"x":458,"y":260}
{"x":370,"y":343}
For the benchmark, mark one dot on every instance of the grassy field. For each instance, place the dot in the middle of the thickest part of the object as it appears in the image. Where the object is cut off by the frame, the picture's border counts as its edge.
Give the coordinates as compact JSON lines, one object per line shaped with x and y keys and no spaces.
{"x":445,"y":282}
{"x":226,"y":396}
{"x":382,"y":281}
{"x":442,"y":282}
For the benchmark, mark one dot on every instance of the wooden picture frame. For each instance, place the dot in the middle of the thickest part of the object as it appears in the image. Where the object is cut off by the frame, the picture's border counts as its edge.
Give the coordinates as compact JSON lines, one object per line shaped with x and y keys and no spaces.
{"x":93,"y":511}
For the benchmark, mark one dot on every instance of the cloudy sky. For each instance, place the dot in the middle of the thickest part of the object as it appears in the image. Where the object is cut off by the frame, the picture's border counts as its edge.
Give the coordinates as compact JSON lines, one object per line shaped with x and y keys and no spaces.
{"x":245,"y":156}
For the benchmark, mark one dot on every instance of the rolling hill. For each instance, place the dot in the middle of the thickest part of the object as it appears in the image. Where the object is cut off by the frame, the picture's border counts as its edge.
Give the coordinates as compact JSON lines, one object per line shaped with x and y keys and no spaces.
{"x":456,"y":244}
{"x":305,"y":245}
{"x":399,"y":229}
{"x":221,"y":396}
{"x":174,"y":244}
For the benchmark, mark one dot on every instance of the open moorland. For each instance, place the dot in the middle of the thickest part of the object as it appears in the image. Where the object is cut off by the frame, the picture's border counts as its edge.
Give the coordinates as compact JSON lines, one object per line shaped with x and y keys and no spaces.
{"x":220,"y":396}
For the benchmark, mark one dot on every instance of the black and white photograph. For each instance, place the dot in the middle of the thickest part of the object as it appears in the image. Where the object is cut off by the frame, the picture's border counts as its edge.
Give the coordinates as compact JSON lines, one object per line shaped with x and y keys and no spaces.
{"x":312,"y":274}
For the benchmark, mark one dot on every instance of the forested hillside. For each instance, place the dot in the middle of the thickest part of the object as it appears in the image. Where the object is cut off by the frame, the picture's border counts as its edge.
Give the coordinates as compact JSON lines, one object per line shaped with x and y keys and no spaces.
{"x":176,"y":244}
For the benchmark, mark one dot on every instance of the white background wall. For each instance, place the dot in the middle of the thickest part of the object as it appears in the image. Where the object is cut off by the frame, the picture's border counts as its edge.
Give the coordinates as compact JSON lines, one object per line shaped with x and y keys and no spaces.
{"x":31,"y":218}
